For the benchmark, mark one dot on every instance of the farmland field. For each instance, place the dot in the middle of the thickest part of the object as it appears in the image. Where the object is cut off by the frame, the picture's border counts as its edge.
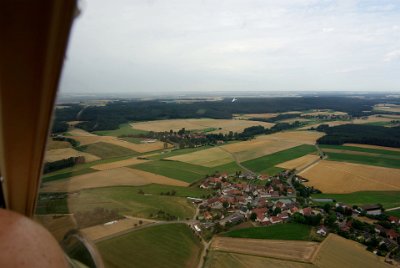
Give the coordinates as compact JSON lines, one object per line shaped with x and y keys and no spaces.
{"x":124,"y":129}
{"x":373,"y":119}
{"x":336,"y":251}
{"x":102,"y":231}
{"x":365,"y":148}
{"x":129,"y":201}
{"x":184,"y":171}
{"x":395,"y":213}
{"x":210,"y":158}
{"x":106,"y":150}
{"x":269,"y":144}
{"x":299,"y":163}
{"x":218,"y":259}
{"x":221,"y":125}
{"x":387,"y":108}
{"x":117,"y":164}
{"x":286,"y":231}
{"x":373,"y":160}
{"x":57,"y":144}
{"x":329,"y":123}
{"x":59,"y":154}
{"x":368,"y":146}
{"x":58,"y":225}
{"x":249,"y":116}
{"x":281,"y":249}
{"x":387,"y":199}
{"x":341,"y":177}
{"x":112,"y":177}
{"x":266,"y":164}
{"x":169,"y":246}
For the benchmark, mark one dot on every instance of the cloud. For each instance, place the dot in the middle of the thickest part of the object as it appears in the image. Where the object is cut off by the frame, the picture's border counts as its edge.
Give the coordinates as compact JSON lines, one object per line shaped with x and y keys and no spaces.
{"x":126,"y":45}
{"x":392,"y":56}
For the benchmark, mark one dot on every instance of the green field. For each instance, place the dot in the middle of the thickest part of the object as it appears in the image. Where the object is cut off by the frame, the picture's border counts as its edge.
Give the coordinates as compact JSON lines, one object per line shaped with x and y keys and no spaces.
{"x":285,"y":231}
{"x":172,"y":245}
{"x":106,"y":150}
{"x":177,"y":152}
{"x":183,"y":171}
{"x":133,"y":202}
{"x":387,"y":199}
{"x":124,"y":129}
{"x":386,"y":153}
{"x":379,"y":160}
{"x":51,"y":206}
{"x":393,"y":213}
{"x":266,"y":164}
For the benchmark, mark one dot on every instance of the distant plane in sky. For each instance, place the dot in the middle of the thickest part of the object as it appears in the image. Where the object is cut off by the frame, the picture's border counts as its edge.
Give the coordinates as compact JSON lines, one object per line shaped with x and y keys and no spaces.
{"x":234,"y":99}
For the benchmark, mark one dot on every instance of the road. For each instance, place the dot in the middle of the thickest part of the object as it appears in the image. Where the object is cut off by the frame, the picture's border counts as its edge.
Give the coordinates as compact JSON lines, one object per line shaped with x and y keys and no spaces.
{"x":238,"y":162}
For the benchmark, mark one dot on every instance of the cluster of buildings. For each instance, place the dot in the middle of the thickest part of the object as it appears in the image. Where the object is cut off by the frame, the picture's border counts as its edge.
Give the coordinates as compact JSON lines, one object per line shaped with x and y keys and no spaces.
{"x":235,"y":202}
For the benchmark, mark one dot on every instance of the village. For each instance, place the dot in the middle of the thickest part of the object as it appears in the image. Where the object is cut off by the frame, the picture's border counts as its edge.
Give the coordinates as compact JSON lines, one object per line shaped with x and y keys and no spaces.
{"x":268,"y":200}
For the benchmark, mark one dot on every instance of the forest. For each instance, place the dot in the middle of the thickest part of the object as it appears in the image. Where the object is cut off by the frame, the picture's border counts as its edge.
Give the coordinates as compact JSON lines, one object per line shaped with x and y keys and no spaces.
{"x":113,"y":114}
{"x":363,"y":134}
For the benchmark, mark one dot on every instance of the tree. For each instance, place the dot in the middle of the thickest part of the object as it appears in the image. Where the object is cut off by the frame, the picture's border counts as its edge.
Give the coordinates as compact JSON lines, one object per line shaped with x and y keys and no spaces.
{"x":277,"y":211}
{"x":327,"y":207}
{"x":225,"y":204}
{"x":253,"y":216}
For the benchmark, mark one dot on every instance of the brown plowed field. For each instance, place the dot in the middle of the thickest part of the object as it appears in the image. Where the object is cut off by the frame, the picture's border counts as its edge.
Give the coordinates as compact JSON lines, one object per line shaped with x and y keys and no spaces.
{"x":341,"y":177}
{"x":112,"y":177}
{"x":281,"y":249}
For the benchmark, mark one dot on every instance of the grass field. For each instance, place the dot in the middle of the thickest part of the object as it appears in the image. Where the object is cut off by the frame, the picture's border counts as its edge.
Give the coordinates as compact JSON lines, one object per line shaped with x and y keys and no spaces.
{"x":395,"y":213}
{"x":377,"y":150}
{"x":183,"y":171}
{"x":337,"y":251}
{"x":286,"y":231}
{"x":342,"y":177}
{"x":129,"y":201}
{"x":365,"y":159}
{"x":124,"y":129}
{"x":176,"y":152}
{"x":217,"y":259}
{"x":106,"y":150}
{"x":109,"y":177}
{"x":168,"y":246}
{"x":266,"y":164}
{"x":387,"y":199}
{"x":47,"y":206}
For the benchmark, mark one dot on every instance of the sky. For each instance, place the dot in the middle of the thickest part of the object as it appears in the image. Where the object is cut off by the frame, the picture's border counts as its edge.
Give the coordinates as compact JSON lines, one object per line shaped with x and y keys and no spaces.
{"x":125,"y":46}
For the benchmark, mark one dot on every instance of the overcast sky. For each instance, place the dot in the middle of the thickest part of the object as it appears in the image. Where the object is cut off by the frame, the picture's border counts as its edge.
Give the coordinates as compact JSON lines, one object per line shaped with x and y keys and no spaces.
{"x":124,"y":46}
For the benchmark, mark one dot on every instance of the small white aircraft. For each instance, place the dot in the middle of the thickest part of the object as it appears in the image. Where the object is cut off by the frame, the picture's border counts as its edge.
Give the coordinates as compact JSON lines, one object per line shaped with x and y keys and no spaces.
{"x":234,"y":99}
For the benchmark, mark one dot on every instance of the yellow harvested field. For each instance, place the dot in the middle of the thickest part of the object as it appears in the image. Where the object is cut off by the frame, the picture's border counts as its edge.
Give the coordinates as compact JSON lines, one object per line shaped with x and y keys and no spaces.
{"x":323,"y":112}
{"x":292,"y":120}
{"x":141,"y":148}
{"x":80,"y":132}
{"x":281,"y":249}
{"x":59,"y":154}
{"x":118,"y":164}
{"x":112,"y":177}
{"x":222,"y":125}
{"x":373,"y":147}
{"x":217,"y":259}
{"x":331,"y":124}
{"x":341,"y":177}
{"x":372,"y":119}
{"x":58,"y":225}
{"x":209,"y":158}
{"x":57,"y":144}
{"x":336,"y":251}
{"x":299,"y":163}
{"x":248,"y":116}
{"x":105,"y":231}
{"x":387,"y":108}
{"x":268,"y":144}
